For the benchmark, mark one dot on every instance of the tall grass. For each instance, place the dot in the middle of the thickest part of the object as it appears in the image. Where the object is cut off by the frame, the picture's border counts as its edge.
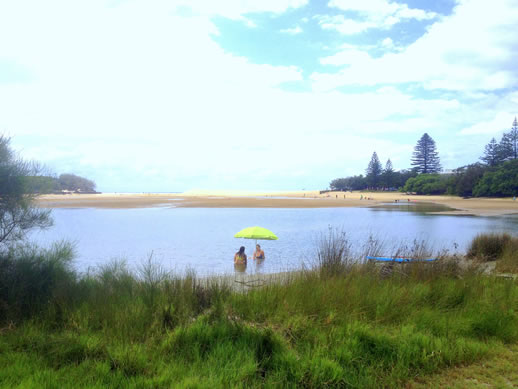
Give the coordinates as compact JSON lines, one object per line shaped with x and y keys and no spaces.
{"x":31,"y":278}
{"x":496,"y":247}
{"x":344,"y":323}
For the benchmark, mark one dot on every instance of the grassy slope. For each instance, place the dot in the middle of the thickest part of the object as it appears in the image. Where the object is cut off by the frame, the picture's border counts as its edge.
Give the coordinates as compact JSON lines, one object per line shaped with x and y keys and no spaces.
{"x":345,"y":329}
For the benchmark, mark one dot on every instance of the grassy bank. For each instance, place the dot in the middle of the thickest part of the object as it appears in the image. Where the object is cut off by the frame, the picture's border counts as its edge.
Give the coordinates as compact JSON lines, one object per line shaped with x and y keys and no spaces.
{"x":337,"y":325}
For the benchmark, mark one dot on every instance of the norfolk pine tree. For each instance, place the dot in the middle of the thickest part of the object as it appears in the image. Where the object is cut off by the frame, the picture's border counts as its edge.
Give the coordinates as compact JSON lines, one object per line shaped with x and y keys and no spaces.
{"x":426,"y":158}
{"x":388,"y":175}
{"x":374,"y":171}
{"x":508,"y":146}
{"x":492,"y":154}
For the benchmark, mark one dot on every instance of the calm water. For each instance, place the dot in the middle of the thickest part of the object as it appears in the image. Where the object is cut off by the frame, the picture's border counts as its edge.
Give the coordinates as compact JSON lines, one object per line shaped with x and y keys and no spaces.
{"x":202,"y":238}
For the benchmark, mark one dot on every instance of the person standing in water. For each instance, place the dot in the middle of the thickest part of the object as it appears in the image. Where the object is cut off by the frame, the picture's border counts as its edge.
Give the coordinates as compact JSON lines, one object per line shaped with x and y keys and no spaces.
{"x":258,"y":254}
{"x":240,"y":257}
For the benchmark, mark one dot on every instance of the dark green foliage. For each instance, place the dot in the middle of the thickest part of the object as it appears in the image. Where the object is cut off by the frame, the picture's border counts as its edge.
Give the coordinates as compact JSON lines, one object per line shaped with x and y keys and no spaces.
{"x":42,"y":184}
{"x":465,"y":179}
{"x":492,"y":154}
{"x":508,"y":147}
{"x":427,"y":184}
{"x":17,"y":211}
{"x":426,"y":158}
{"x":503,"y":181}
{"x":349,"y":183}
{"x":374,"y":171}
{"x":75,"y":183}
{"x":388,"y":176}
{"x":401,"y":177}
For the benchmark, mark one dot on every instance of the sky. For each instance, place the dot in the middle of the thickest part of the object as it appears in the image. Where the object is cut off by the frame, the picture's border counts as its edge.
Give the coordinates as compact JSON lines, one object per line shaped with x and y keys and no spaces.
{"x":166,"y":96}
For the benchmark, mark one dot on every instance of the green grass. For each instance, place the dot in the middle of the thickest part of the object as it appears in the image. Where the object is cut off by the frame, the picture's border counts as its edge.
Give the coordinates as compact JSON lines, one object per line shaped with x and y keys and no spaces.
{"x":348,"y":326}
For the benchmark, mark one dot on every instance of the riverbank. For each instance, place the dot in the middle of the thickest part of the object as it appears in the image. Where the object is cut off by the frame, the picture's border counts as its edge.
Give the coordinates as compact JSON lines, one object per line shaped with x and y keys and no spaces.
{"x":302,"y":199}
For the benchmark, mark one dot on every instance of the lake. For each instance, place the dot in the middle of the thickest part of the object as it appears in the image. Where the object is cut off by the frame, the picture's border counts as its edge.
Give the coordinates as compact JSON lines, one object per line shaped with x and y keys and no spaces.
{"x":202,"y":238}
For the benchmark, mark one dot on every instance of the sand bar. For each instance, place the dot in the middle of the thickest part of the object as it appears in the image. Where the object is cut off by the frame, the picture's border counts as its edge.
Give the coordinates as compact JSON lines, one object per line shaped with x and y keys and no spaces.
{"x":306,"y":199}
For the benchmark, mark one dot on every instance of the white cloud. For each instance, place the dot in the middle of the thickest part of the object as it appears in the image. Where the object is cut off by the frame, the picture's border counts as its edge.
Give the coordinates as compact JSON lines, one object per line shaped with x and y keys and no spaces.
{"x":292,"y":31}
{"x":348,"y":56}
{"x":469,"y":50}
{"x":500,"y":123}
{"x":236,"y":9}
{"x":344,"y":25}
{"x":373,"y":14}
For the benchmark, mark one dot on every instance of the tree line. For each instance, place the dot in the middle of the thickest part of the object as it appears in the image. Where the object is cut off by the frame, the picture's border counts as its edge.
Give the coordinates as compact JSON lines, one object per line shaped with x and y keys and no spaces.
{"x":495,"y":175}
{"x":64,"y":182}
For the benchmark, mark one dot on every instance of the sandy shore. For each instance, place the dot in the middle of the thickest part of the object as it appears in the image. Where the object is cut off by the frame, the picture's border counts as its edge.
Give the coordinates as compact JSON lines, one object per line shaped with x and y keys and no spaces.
{"x":307,"y":199}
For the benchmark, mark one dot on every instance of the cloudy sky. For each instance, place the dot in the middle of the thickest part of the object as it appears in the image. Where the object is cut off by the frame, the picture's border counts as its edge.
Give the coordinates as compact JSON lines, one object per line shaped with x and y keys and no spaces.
{"x":174,"y":95}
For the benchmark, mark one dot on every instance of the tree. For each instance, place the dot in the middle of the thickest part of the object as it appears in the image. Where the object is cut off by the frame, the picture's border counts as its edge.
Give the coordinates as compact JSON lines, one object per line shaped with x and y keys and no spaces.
{"x":349,"y":183}
{"x":425,"y":157}
{"x":18,"y":214}
{"x":492,"y":154}
{"x":402,"y":176}
{"x":509,"y":144}
{"x":338,"y":184}
{"x":374,"y":170}
{"x":466,"y":178}
{"x":427,"y":184}
{"x":500,"y":182}
{"x":388,"y":175}
{"x":76,"y":183}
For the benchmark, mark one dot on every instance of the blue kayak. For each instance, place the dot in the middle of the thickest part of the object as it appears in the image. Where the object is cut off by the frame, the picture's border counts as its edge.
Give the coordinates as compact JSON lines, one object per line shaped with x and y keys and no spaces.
{"x":384,"y":259}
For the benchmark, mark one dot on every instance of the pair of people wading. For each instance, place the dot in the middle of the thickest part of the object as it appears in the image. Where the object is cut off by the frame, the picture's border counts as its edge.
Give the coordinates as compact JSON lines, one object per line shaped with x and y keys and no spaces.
{"x":240,"y":257}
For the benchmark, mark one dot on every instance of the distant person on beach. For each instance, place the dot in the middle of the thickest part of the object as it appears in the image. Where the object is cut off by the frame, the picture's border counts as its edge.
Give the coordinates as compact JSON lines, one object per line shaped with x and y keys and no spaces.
{"x":258,"y":253}
{"x":240,"y":256}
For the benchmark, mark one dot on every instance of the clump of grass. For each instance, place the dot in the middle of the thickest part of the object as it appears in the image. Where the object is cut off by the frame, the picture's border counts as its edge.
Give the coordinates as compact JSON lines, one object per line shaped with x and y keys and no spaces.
{"x":508,"y":262}
{"x":489,"y":247}
{"x":333,"y":253}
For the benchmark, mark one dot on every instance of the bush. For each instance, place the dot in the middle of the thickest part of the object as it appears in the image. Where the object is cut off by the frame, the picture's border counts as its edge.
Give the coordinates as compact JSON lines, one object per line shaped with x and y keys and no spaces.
{"x":501,"y":182}
{"x":427,"y":184}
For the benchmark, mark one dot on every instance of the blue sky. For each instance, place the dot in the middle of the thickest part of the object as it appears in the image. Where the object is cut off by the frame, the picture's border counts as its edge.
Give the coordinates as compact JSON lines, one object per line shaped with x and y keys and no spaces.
{"x":252,"y":95}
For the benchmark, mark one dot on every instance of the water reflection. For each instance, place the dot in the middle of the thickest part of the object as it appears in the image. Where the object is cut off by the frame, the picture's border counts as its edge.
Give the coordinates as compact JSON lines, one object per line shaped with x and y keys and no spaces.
{"x":414,"y":207}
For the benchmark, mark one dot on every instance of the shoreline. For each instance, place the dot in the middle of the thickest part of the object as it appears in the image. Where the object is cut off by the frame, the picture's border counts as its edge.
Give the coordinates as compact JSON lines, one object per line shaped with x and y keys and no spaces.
{"x":300,"y":199}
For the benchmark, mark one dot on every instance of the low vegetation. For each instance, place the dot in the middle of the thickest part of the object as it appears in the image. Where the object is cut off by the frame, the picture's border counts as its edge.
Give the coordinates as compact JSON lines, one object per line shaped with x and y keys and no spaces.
{"x":339,"y":324}
{"x":502,"y":248}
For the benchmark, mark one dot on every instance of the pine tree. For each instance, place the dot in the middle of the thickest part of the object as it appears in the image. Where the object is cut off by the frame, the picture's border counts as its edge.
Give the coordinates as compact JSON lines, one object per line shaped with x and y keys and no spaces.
{"x":425,"y":157}
{"x":509,"y":143}
{"x":374,"y":170}
{"x":492,"y":154}
{"x":388,"y":175}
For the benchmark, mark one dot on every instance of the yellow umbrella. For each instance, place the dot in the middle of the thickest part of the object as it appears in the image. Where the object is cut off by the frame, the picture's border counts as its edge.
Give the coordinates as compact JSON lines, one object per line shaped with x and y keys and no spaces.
{"x":256,"y":233}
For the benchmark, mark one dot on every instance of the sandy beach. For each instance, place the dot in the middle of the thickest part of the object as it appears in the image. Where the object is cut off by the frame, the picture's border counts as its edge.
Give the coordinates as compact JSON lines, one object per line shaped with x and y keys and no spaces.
{"x":301,"y":199}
